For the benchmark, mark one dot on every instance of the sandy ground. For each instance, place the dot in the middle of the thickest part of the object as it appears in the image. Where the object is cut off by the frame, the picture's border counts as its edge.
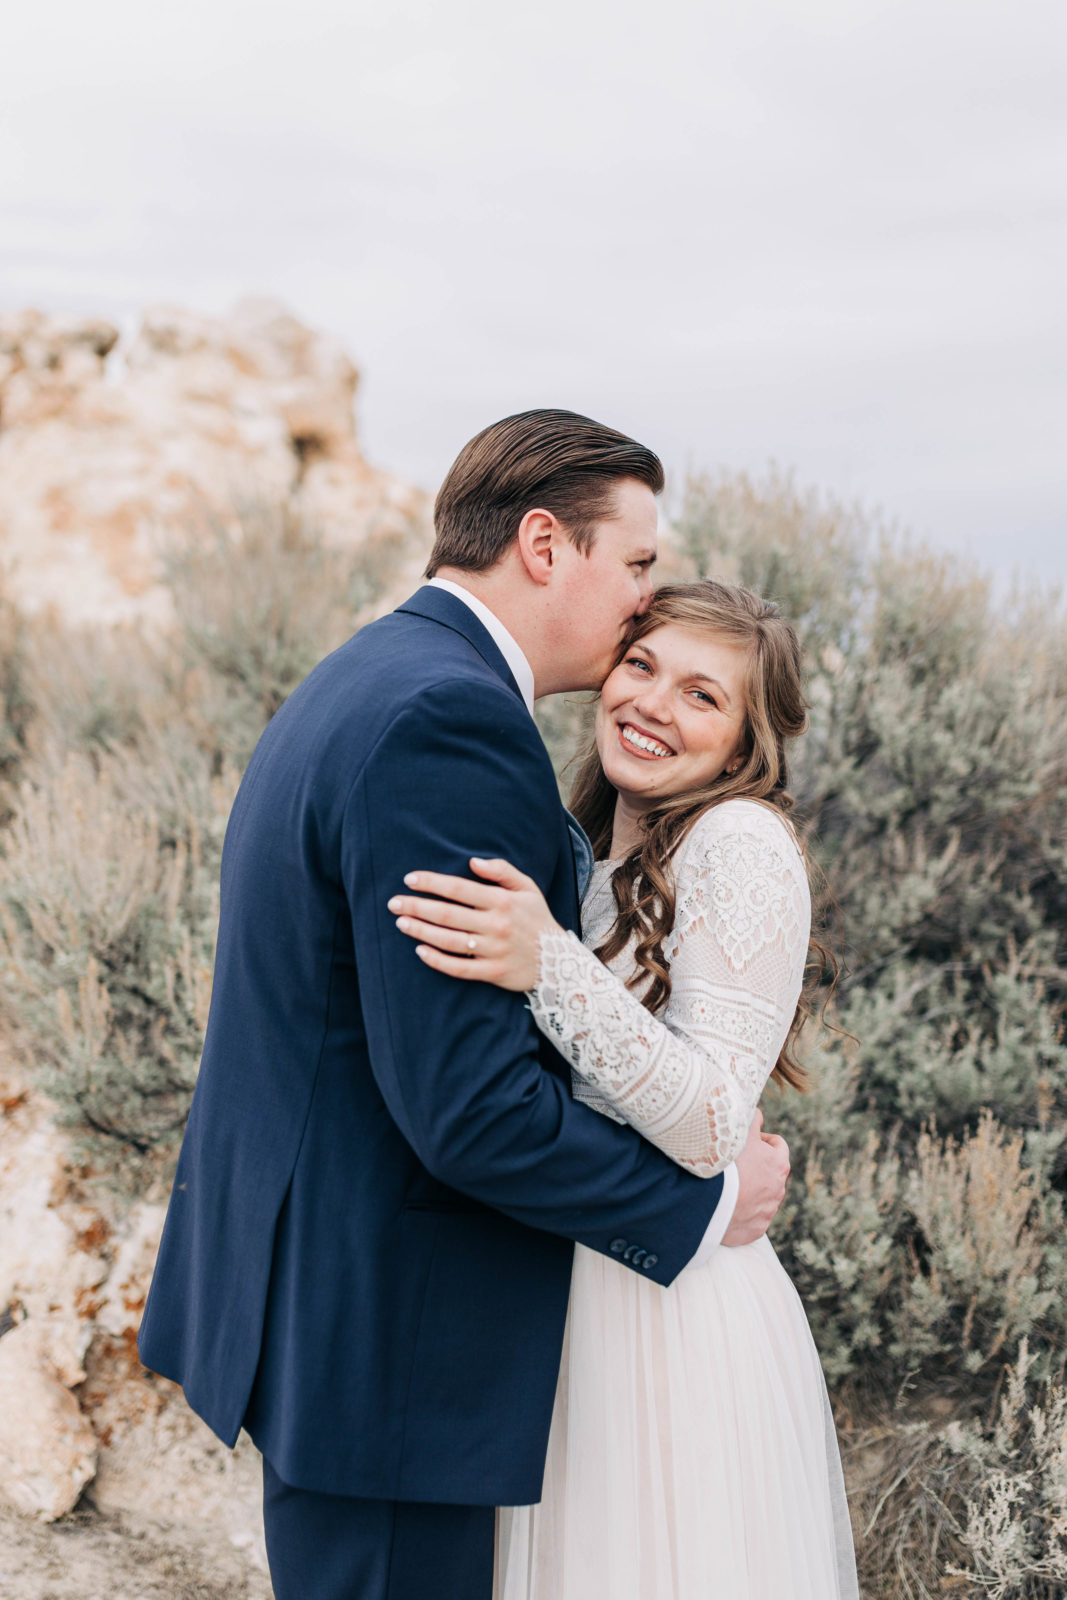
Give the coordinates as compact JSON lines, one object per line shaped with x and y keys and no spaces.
{"x":86,"y":1556}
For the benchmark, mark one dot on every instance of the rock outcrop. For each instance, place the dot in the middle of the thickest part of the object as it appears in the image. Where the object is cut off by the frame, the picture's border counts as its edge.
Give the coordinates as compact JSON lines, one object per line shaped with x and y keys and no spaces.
{"x":78,"y":1412}
{"x":108,"y":447}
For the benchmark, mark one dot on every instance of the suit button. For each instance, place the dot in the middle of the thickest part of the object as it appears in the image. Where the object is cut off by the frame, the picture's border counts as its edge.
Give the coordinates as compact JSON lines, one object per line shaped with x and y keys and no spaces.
{"x":618,"y":1246}
{"x":649,"y":1262}
{"x":637,"y":1256}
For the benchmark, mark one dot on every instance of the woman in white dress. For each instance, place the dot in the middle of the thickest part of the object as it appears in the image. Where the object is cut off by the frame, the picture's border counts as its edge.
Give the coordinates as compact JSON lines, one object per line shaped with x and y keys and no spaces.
{"x":692,"y":1453}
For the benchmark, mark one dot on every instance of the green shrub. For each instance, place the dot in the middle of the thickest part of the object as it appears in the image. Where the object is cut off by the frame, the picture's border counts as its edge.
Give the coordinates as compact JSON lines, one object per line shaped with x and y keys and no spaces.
{"x":93,"y":689}
{"x":565,"y":722}
{"x":259,"y":600}
{"x":987,"y":1267}
{"x":16,"y":705}
{"x":130,"y":747}
{"x":258,"y":603}
{"x":108,"y":911}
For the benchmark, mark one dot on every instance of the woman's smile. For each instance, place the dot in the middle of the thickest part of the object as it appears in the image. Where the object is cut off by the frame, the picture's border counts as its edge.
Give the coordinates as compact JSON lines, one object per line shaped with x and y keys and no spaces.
{"x":641,"y":743}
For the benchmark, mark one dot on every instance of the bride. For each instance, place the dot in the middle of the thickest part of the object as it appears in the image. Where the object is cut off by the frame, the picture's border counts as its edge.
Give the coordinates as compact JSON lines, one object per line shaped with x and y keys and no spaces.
{"x":692,"y":1453}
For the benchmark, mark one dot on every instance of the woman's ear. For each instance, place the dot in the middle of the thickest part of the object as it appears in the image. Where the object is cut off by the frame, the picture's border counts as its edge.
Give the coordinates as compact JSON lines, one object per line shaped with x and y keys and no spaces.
{"x":738,"y":759}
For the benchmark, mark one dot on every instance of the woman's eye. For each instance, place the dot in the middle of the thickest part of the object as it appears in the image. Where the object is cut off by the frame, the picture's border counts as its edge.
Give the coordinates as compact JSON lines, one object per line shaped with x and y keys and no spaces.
{"x":705,"y":697}
{"x":636,"y":661}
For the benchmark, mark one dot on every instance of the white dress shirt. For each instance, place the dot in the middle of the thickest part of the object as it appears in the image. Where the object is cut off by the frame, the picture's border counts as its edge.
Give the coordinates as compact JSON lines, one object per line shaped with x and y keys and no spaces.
{"x":522,"y":672}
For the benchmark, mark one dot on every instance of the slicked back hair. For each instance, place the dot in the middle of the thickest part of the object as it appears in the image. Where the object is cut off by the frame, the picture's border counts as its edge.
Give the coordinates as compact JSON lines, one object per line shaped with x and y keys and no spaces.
{"x":551,"y":461}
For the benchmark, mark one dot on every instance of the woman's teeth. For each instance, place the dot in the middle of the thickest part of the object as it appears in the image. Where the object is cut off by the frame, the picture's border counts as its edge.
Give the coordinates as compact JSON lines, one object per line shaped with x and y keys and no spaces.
{"x":642,"y":742}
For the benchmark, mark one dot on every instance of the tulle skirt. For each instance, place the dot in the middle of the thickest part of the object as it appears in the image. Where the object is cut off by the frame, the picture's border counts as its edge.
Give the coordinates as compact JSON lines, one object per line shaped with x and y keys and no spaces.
{"x":693,"y":1453}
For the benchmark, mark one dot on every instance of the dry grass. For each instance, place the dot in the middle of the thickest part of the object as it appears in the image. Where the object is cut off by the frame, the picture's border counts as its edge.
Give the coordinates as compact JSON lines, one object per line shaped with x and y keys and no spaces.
{"x":975,"y":1507}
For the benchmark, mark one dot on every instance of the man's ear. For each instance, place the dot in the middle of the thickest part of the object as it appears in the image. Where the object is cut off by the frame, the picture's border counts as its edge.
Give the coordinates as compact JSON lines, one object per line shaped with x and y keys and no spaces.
{"x":539,"y":537}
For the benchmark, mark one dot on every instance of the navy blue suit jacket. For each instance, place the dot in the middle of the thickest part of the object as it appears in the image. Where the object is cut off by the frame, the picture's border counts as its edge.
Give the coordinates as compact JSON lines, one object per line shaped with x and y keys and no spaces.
{"x":367,"y":1252}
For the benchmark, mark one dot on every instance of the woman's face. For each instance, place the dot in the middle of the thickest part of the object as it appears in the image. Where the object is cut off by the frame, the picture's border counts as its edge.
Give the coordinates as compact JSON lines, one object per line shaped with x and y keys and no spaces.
{"x":671,"y":716}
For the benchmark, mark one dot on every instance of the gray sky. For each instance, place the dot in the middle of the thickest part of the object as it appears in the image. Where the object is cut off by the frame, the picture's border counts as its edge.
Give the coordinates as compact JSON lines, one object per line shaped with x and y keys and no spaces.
{"x":829,"y":235}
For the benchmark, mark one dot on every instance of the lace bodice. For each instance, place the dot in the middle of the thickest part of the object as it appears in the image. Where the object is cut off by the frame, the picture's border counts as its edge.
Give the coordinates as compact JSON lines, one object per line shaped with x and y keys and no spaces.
{"x":689,"y":1079}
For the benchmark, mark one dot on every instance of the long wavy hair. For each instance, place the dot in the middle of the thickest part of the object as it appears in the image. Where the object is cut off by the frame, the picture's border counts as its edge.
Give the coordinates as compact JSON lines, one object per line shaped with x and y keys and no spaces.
{"x":775,"y":711}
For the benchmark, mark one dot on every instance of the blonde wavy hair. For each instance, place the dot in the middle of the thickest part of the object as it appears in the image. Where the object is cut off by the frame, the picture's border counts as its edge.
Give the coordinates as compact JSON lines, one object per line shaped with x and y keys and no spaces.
{"x":775,"y":712}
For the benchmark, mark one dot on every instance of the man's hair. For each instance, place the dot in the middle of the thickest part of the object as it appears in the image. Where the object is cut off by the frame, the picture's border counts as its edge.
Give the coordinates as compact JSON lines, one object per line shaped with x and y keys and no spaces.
{"x":537,"y":460}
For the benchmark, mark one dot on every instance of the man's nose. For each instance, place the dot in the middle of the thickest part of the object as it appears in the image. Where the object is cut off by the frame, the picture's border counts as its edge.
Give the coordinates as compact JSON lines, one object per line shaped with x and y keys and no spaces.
{"x":647,"y":590}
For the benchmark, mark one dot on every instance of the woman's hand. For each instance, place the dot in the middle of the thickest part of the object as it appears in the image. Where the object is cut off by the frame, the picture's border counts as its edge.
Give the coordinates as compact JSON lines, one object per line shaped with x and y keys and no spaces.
{"x":488,"y":931}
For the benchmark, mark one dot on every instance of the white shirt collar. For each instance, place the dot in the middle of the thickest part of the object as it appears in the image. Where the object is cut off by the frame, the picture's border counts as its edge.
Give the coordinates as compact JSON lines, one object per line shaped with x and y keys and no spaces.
{"x":521,"y":670}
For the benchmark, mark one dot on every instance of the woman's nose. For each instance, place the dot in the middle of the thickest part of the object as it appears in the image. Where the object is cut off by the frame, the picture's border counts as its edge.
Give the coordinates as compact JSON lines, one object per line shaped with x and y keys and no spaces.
{"x":652,"y":703}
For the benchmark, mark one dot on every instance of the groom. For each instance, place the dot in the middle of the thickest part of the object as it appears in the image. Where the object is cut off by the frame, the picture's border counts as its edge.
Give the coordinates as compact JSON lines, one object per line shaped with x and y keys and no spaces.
{"x":367,"y":1253}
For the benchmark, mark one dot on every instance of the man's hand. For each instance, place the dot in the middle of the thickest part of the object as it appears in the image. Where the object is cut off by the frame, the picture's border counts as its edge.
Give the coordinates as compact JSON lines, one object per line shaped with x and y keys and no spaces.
{"x":762,"y":1167}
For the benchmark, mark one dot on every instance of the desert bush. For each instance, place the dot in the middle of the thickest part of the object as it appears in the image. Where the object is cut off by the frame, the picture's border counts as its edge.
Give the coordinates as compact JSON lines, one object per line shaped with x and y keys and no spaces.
{"x":93,"y":689}
{"x":946,"y":1041}
{"x":920,"y":1270}
{"x":975,"y":1507}
{"x":565,"y":722}
{"x":107,"y":927}
{"x":110,"y":863}
{"x":843,"y":1228}
{"x":16,"y":704}
{"x":260,"y":598}
{"x":993,"y":1267}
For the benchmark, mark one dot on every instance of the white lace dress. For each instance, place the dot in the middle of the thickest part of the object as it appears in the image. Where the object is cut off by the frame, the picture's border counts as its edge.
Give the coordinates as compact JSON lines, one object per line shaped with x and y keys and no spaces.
{"x":692,"y":1453}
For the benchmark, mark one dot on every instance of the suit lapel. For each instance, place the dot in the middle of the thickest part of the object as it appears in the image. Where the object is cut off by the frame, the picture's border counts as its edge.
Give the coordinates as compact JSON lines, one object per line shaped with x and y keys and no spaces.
{"x":582,"y":851}
{"x":437,"y":605}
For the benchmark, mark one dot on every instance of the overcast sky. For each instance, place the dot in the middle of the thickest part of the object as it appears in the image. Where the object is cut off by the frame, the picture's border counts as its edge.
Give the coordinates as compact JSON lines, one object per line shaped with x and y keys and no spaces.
{"x":830,"y":235}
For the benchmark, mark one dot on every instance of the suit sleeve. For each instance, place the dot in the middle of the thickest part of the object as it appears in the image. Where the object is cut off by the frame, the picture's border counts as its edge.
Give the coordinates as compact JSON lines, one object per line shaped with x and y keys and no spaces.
{"x":463,"y":772}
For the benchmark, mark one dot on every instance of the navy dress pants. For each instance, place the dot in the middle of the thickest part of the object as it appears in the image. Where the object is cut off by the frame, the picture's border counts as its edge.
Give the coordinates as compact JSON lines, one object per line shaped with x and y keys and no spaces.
{"x":339,"y":1547}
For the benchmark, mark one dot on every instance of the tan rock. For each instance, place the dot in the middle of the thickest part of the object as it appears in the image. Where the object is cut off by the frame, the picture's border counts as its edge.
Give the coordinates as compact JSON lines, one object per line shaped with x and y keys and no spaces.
{"x":78,"y":1279}
{"x":51,"y":1253}
{"x":48,"y":1450}
{"x":110,"y":448}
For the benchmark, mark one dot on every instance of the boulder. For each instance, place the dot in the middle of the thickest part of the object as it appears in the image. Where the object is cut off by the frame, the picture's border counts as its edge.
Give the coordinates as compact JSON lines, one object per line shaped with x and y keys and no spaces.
{"x":48,"y":1451}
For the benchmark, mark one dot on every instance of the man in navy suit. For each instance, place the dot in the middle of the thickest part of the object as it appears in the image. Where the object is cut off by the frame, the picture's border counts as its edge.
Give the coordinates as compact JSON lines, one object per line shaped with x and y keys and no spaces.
{"x":367,"y":1252}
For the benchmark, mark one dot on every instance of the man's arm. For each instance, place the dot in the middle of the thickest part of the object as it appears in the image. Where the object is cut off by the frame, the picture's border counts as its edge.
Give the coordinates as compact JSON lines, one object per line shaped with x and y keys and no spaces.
{"x":462,"y":772}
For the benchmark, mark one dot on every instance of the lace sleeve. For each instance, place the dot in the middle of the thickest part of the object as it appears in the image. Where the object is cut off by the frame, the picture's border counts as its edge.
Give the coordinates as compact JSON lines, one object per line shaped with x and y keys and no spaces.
{"x":690,"y":1080}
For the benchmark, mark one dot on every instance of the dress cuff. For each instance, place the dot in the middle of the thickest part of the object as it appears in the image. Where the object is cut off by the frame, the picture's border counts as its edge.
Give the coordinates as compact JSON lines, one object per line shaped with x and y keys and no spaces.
{"x":721,"y":1219}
